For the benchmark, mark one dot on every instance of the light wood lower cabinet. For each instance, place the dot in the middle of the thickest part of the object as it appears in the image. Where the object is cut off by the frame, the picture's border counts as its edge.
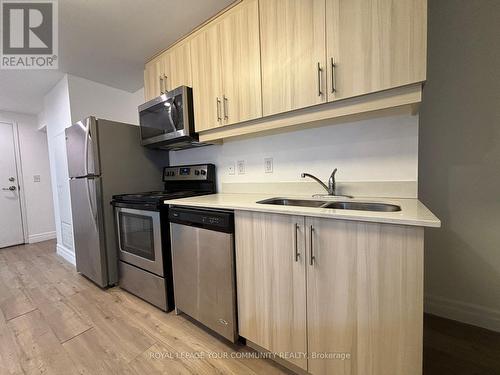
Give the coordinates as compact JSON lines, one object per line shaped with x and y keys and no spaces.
{"x":271,"y":283}
{"x":362,"y":283}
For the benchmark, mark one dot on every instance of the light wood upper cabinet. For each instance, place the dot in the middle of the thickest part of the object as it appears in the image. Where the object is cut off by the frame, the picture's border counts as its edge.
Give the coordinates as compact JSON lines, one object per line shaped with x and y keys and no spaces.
{"x":260,"y":58}
{"x":179,"y":67}
{"x":271,"y":282}
{"x":226,"y":69}
{"x":154,"y":78}
{"x":207,"y":77}
{"x":375,"y":45}
{"x":293,"y":54}
{"x":241,"y":79}
{"x":168,"y":71}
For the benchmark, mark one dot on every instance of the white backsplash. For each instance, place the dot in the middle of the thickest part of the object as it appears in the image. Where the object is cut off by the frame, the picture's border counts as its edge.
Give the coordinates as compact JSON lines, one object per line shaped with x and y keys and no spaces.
{"x":377,"y":150}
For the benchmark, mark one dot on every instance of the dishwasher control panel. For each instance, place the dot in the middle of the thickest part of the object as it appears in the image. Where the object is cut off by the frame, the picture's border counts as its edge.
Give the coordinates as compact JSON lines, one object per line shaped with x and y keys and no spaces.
{"x":217,"y":220}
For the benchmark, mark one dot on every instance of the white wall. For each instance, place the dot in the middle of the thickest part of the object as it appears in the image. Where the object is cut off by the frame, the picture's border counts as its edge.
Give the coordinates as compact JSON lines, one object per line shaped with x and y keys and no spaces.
{"x":34,"y":161}
{"x":71,"y":100}
{"x":90,"y":98}
{"x":56,"y":116}
{"x":460,"y":161}
{"x":381,"y":149}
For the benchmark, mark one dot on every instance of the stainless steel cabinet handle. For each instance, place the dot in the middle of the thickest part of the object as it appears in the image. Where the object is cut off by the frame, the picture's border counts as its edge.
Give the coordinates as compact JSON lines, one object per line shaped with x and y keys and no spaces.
{"x":319,"y":80}
{"x":166,"y":83}
{"x":333,"y":66}
{"x":162,"y":91}
{"x":296,"y":250}
{"x":10,"y":188}
{"x":217,"y":103}
{"x":311,"y":247}
{"x":226,"y":112}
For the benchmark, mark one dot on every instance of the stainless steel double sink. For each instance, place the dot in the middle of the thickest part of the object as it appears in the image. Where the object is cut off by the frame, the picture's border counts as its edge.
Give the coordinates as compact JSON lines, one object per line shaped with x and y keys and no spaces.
{"x":339,"y":205}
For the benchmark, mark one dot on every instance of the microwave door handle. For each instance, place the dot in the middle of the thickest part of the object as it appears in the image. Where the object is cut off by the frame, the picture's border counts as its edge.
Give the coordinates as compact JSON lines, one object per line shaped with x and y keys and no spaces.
{"x":171,"y":108}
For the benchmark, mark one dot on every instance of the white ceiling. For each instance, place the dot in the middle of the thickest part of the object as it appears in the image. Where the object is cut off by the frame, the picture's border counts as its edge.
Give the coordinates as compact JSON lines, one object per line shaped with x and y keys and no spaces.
{"x":106,"y":41}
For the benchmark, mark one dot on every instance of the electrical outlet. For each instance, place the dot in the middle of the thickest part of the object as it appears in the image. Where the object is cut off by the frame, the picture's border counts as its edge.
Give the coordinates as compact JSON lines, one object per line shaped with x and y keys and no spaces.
{"x":231,"y":169}
{"x":268,"y":165}
{"x":241,"y":166}
{"x":36,"y":178}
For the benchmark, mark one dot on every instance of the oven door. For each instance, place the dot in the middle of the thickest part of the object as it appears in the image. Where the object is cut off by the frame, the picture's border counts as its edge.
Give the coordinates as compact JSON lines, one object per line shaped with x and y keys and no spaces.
{"x":139,"y":239}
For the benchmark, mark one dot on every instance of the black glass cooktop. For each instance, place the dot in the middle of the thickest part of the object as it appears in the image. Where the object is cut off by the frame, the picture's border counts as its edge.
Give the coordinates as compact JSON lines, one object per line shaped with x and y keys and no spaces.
{"x":155,"y":196}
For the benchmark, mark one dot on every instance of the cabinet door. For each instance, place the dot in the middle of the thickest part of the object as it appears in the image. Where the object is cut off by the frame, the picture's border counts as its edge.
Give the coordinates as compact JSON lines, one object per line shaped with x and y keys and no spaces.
{"x":293,"y":54}
{"x":374,"y":45}
{"x":153,"y":78}
{"x":164,"y":67}
{"x":364,"y":297}
{"x":241,"y":63}
{"x":271,"y":282}
{"x":207,"y":84}
{"x":149,"y":81}
{"x":179,"y":73}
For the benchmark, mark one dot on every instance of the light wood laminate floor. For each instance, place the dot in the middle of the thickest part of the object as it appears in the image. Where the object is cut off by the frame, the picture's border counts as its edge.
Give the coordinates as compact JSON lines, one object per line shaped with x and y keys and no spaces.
{"x":54,"y":321}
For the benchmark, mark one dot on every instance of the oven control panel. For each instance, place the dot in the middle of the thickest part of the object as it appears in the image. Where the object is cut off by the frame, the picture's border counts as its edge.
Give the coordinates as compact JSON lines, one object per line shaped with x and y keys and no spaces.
{"x":199,"y":172}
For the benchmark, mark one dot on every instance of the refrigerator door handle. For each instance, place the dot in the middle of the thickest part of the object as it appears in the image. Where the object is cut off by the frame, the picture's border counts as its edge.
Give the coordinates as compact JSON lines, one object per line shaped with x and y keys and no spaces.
{"x":86,"y":150}
{"x":93,"y":212}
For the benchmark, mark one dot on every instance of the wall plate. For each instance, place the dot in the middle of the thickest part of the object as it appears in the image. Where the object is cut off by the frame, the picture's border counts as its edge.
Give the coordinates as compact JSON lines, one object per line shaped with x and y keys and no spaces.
{"x":241,"y":166}
{"x":268,"y":165}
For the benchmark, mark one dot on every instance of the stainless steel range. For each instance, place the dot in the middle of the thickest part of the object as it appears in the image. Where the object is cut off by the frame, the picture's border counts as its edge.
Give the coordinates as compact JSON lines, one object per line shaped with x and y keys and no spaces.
{"x":143,"y":236}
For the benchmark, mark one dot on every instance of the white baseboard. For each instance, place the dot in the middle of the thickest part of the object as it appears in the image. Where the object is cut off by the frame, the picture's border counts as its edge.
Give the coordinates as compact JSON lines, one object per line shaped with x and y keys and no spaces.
{"x":65,"y":253}
{"x":469,"y":313}
{"x":39,"y":237}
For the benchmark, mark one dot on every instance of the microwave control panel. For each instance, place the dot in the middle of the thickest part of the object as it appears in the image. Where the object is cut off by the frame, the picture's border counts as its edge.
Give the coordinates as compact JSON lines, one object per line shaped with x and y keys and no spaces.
{"x":203,"y":172}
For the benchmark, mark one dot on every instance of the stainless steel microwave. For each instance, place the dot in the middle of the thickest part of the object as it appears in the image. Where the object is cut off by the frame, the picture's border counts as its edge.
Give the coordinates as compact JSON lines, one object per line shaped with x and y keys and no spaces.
{"x":167,"y":122}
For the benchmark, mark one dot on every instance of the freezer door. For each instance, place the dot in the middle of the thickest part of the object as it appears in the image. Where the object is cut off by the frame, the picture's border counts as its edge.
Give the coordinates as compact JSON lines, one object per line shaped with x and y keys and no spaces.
{"x":90,"y":251}
{"x":82,"y":148}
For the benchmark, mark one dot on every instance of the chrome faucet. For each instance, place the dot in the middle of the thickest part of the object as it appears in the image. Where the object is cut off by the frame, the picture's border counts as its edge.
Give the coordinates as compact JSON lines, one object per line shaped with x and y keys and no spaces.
{"x":331,"y":188}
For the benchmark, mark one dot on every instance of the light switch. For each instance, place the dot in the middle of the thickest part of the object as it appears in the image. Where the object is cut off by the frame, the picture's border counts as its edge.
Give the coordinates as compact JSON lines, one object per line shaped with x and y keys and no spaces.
{"x":230,"y":168}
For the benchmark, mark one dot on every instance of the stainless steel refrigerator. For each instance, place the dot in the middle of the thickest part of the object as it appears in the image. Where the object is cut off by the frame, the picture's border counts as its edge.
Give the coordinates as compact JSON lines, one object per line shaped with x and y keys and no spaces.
{"x":105,"y":158}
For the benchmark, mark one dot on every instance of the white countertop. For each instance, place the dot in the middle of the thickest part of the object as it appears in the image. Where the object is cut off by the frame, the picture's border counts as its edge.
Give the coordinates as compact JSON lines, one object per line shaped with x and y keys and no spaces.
{"x":413,"y":212}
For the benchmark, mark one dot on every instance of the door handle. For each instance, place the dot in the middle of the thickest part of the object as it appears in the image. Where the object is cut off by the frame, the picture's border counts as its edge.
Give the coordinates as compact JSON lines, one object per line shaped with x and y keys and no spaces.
{"x":217,"y":103}
{"x":10,"y":188}
{"x":91,"y":205}
{"x":224,"y":107}
{"x":162,"y":90}
{"x":319,"y":80}
{"x":311,"y":247}
{"x":333,"y":66}
{"x":296,"y":249}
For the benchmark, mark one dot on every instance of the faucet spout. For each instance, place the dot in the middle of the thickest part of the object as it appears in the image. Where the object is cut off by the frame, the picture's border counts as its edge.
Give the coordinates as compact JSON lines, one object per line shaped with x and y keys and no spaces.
{"x":331,"y":187}
{"x":304,"y":175}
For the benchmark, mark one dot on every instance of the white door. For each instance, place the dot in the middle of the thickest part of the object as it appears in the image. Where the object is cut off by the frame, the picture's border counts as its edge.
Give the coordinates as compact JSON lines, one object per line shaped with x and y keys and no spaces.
{"x":11,"y":224}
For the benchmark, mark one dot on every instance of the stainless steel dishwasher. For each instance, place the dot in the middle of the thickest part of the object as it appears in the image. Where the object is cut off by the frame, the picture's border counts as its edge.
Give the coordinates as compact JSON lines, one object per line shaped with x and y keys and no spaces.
{"x":204,"y":268}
